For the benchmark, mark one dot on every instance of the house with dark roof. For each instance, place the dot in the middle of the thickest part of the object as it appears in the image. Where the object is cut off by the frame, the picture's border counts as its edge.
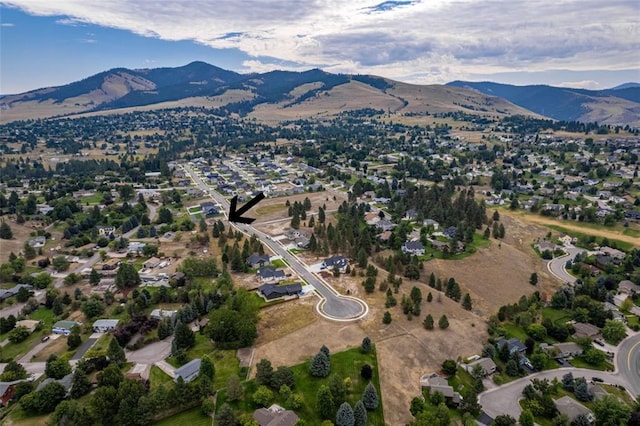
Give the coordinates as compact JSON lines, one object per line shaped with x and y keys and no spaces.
{"x":435,"y":383}
{"x":487,"y":366}
{"x":9,"y":292}
{"x":66,"y":382}
{"x":411,"y":214}
{"x":572,"y":408}
{"x":583,"y":329}
{"x":413,"y":247}
{"x":208,"y":208}
{"x":275,"y":416}
{"x":450,"y":232}
{"x":514,"y":345}
{"x":258,"y":260}
{"x":339,"y":262}
{"x":385,"y":225}
{"x":271,"y":291}
{"x":268,"y":275}
{"x":189,"y":371}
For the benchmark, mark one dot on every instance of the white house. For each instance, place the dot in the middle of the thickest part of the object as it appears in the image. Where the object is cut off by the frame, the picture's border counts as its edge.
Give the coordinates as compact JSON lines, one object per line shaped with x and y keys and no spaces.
{"x":105,"y":325}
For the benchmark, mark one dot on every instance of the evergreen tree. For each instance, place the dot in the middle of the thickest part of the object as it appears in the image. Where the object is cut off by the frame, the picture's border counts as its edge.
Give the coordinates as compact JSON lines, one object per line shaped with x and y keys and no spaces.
{"x":370,"y":397}
{"x":234,"y":388}
{"x":320,"y":365}
{"x":5,"y":231}
{"x":184,"y":336}
{"x":94,"y":277}
{"x":226,"y":416}
{"x":466,"y":302}
{"x":115,"y":353}
{"x":338,"y":389}
{"x":386,"y":318}
{"x":428,"y":322}
{"x":324,"y":402}
{"x":582,"y":390}
{"x":443,"y":322}
{"x":207,"y":368}
{"x":325,"y":350}
{"x":365,"y":347}
{"x":80,"y":384}
{"x":429,"y":297}
{"x":264,"y":372}
{"x":359,"y":414}
{"x":345,"y":415}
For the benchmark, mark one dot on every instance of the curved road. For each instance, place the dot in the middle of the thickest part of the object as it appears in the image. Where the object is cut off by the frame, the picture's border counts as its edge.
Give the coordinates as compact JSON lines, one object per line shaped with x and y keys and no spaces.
{"x":333,"y":305}
{"x":628,"y":362}
{"x":556,"y":266}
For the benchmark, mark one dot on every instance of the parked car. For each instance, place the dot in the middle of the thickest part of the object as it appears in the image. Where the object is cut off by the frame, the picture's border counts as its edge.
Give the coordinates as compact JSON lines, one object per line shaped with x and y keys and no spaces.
{"x":597,"y":379}
{"x":45,"y":338}
{"x":599,"y":342}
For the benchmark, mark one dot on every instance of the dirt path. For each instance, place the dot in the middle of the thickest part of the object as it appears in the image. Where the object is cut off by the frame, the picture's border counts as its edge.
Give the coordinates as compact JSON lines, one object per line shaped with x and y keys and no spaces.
{"x":613,"y":234}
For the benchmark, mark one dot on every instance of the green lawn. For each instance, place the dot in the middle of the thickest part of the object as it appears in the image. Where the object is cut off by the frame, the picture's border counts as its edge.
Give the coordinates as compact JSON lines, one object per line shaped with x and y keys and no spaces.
{"x":158,"y":377}
{"x":581,"y":363}
{"x":513,"y":330}
{"x":633,"y":320}
{"x":279,"y":263}
{"x":16,"y":350}
{"x":470,"y":248}
{"x":556,"y":315}
{"x":44,"y":315}
{"x":344,"y":364}
{"x":461,"y":382}
{"x":192,"y":417}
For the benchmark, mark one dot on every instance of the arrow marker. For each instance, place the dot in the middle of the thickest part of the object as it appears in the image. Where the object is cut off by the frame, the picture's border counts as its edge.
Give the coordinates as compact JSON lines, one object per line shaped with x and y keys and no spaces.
{"x":236,"y":216}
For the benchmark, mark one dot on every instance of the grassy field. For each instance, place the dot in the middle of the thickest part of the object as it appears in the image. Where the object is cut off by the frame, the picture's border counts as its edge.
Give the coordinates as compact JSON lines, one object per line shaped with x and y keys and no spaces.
{"x":16,"y":350}
{"x":581,"y":363}
{"x":556,"y":315}
{"x":279,"y":263}
{"x":273,"y":208}
{"x":622,"y":245}
{"x":192,"y":417}
{"x":478,"y":242}
{"x":158,"y":377}
{"x":44,"y":315}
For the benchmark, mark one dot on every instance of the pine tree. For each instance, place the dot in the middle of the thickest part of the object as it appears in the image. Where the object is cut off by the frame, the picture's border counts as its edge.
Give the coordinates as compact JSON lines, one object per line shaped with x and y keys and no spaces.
{"x":94,"y":277}
{"x":429,"y":297}
{"x":432,"y":280}
{"x":345,"y":415}
{"x":5,"y":231}
{"x":115,"y":353}
{"x":443,"y":322}
{"x":365,"y":347}
{"x":80,"y":384}
{"x":264,"y":372}
{"x":324,"y":402}
{"x":359,"y":414}
{"x":428,"y":322}
{"x":386,"y":318}
{"x":207,"y":368}
{"x":320,"y":365}
{"x":466,"y":302}
{"x":325,"y":350}
{"x":370,"y":397}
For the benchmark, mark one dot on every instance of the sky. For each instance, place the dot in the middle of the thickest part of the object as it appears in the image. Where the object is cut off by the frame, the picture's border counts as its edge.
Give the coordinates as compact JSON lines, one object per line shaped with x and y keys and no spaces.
{"x":592,"y":44}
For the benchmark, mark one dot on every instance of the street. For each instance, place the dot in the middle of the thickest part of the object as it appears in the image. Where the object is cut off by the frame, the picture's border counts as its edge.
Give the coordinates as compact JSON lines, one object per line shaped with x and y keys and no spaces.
{"x":556,"y":266}
{"x":333,"y":305}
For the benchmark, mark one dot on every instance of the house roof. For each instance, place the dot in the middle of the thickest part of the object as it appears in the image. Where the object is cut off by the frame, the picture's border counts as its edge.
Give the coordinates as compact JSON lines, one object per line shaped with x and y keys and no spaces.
{"x":64,"y":324}
{"x":275,"y":416}
{"x":585,"y":330}
{"x":487,"y":364}
{"x":189,"y":369}
{"x":108,"y":323}
{"x":339,"y":261}
{"x":267,"y":273}
{"x":66,"y":382}
{"x":570,"y":407}
{"x":281,"y":290}
{"x":413,"y":245}
{"x":257,"y":258}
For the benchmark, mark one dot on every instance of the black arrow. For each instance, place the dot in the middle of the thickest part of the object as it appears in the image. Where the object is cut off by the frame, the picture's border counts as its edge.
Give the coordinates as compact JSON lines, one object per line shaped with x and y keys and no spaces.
{"x":236,"y":216}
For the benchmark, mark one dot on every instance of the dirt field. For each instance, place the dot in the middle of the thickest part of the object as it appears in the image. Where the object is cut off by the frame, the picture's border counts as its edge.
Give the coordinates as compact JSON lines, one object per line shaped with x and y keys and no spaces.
{"x":279,"y":320}
{"x":21,"y":233}
{"x":271,"y":209}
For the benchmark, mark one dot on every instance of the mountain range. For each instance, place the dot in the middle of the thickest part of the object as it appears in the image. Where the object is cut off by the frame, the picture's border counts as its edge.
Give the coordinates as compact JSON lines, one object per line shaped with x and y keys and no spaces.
{"x":287,"y":95}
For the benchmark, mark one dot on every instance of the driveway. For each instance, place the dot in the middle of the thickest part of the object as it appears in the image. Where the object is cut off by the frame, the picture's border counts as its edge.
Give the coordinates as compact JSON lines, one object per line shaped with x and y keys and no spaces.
{"x":37,"y":348}
{"x":150,"y":354}
{"x":84,"y":348}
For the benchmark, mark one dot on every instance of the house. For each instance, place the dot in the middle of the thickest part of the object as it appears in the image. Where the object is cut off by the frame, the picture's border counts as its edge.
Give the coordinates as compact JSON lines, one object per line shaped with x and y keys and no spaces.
{"x":30,"y":325}
{"x":136,"y":246}
{"x":572,"y":408}
{"x":63,"y":327}
{"x":486,"y":364}
{"x":271,"y":275}
{"x":585,"y":330}
{"x":339,"y":262}
{"x":450,"y":232}
{"x":66,"y":382}
{"x":546,"y":245}
{"x":411,"y":214}
{"x":271,"y":291}
{"x":256,"y":261}
{"x":151,"y":263}
{"x":413,"y":247}
{"x":596,"y":391}
{"x":562,"y":350}
{"x":632,"y":214}
{"x":111,"y":264}
{"x":10,"y":292}
{"x":37,"y":242}
{"x":6,"y":391}
{"x":189,"y":371}
{"x":179,"y":277}
{"x":430,"y":222}
{"x":160,"y":314}
{"x":514,"y":345}
{"x":302,"y":242}
{"x":628,"y":287}
{"x":105,"y":231}
{"x":275,"y":416}
{"x":567,"y":239}
{"x":614,"y":253}
{"x":385,"y":225}
{"x":105,"y":325}
{"x":602,"y":261}
{"x":208,"y":208}
{"x":435,"y":383}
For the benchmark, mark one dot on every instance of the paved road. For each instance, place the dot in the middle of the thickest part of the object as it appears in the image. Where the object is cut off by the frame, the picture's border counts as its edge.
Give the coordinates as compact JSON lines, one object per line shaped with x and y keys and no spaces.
{"x":628,"y":362}
{"x":334,"y":305}
{"x":152,"y":353}
{"x":504,"y":399}
{"x":557,"y":265}
{"x":84,"y":347}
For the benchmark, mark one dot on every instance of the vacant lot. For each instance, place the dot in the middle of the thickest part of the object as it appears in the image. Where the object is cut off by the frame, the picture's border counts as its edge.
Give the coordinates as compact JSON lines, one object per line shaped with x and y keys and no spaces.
{"x":271,"y":209}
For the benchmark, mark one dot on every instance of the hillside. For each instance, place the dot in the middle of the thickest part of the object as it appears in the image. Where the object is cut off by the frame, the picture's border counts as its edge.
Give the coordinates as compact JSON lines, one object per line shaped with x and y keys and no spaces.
{"x":617,"y":106}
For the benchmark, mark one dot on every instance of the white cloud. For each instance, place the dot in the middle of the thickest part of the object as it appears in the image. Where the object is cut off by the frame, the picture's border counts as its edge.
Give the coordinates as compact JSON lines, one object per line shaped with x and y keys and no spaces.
{"x":582,"y":84}
{"x":417,"y":41}
{"x":7,"y":24}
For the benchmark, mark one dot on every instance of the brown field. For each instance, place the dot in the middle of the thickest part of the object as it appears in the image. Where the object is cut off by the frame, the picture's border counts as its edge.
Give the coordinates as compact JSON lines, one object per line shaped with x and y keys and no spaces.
{"x":21,"y":233}
{"x":280,"y":320}
{"x":57,"y":347}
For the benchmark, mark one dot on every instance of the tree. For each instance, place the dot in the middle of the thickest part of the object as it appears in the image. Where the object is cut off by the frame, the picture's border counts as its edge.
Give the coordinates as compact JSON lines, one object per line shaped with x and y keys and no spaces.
{"x":496,"y":215}
{"x":264,"y":372}
{"x":18,"y":334}
{"x":366,"y":347}
{"x":184,"y":337}
{"x":466,"y":302}
{"x":234,"y":388}
{"x":324,"y":402}
{"x":366,"y":372}
{"x":74,"y":340}
{"x":60,"y":263}
{"x":94,"y":277}
{"x":568,"y":382}
{"x":283,"y":376}
{"x":582,"y":390}
{"x":512,"y":368}
{"x":338,"y":389}
{"x":57,"y":368}
{"x":226,"y":416}
{"x":5,"y":231}
{"x":164,"y":215}
{"x":533,"y":280}
{"x":207,"y":368}
{"x":504,"y":420}
{"x":526,"y":418}
{"x":449,"y":367}
{"x":262,"y":396}
{"x":115,"y":353}
{"x":320,"y":365}
{"x":370,"y":397}
{"x":80,"y":384}
{"x":610,"y":411}
{"x":13,"y":371}
{"x":594,"y":356}
{"x":443,"y":322}
{"x":386,"y":318}
{"x":127,"y":276}
{"x":428,"y":322}
{"x":614,"y":331}
{"x":345,"y":415}
{"x":359,"y":414}
{"x":537,"y":331}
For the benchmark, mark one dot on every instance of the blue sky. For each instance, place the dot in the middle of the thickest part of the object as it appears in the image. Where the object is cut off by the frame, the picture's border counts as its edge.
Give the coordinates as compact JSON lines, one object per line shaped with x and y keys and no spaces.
{"x":576,"y":43}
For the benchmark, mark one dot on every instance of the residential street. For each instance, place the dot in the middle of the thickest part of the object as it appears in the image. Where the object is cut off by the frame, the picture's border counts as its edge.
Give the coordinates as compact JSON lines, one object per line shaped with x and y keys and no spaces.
{"x":334,"y":305}
{"x":556,"y":266}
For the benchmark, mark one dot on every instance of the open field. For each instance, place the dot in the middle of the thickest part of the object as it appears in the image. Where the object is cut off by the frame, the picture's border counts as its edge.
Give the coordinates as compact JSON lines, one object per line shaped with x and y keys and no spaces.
{"x":274,"y":208}
{"x":191,"y":417}
{"x":280,"y":320}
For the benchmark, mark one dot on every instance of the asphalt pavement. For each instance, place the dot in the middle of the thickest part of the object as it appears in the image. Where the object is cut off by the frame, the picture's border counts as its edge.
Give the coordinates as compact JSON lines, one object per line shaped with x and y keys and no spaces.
{"x":628,"y":362}
{"x":557,"y":268}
